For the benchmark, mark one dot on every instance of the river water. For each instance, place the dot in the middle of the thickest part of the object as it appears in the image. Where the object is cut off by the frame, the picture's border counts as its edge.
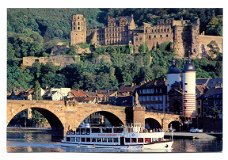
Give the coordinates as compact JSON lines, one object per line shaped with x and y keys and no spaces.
{"x":28,"y":141}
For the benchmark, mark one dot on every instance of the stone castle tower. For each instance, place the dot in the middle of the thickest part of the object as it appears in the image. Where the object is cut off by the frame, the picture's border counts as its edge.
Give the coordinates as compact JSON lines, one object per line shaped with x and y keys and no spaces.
{"x":186,"y":37}
{"x":78,"y":31}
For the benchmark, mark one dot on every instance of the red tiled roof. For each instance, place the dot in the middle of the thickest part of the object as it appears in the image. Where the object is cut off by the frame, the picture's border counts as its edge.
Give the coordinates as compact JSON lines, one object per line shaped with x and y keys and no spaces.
{"x":78,"y":93}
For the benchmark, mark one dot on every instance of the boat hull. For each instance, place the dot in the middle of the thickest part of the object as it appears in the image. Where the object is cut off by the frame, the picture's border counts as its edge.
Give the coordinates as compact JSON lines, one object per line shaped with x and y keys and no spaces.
{"x":166,"y":145}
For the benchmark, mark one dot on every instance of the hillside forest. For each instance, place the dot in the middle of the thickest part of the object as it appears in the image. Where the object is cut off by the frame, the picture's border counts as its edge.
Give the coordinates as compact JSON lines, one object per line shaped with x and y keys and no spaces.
{"x":34,"y":32}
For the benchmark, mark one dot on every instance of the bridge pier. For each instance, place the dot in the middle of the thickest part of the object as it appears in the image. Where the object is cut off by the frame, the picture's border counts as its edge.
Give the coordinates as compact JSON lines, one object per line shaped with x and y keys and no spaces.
{"x":139,"y":115}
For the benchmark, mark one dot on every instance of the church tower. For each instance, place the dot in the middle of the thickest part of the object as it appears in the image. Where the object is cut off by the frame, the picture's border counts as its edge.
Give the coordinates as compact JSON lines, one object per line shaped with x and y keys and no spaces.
{"x":78,"y":31}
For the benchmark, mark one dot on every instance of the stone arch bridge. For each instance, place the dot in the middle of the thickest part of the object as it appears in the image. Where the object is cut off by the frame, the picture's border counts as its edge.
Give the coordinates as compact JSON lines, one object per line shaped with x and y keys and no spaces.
{"x":63,"y":115}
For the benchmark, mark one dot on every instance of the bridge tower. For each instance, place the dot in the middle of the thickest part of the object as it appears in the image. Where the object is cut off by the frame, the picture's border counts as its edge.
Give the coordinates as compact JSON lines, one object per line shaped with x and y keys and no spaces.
{"x":189,"y":89}
{"x":173,"y":75}
{"x":138,"y":111}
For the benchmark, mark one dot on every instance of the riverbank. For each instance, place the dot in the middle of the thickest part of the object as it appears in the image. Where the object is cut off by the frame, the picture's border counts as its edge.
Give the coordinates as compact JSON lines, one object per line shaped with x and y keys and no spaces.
{"x":29,"y":129}
{"x":188,"y":135}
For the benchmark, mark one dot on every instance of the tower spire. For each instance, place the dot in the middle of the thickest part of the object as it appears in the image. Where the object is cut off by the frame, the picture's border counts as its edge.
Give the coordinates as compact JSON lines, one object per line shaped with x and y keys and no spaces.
{"x":136,"y":100}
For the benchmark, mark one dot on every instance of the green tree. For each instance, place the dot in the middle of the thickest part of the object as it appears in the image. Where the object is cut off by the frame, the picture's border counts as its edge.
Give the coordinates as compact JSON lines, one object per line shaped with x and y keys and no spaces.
{"x":215,"y":26}
{"x":143,"y":48}
{"x":17,"y":78}
{"x":37,"y":91}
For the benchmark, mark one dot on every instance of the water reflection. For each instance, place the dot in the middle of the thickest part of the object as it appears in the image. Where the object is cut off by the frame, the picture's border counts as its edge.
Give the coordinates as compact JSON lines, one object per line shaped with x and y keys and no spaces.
{"x":41,"y":142}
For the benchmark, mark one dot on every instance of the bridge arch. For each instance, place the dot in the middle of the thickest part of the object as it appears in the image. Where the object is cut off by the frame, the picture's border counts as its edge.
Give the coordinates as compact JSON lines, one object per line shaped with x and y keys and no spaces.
{"x":113,"y":119}
{"x":176,"y":125}
{"x":54,"y":118}
{"x":151,"y":123}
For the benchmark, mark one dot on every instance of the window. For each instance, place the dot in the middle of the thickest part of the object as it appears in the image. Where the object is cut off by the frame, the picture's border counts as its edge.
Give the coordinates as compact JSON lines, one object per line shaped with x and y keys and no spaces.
{"x":115,"y":140}
{"x":78,"y":23}
{"x":133,"y":140}
{"x":161,"y":36}
{"x":87,"y":139}
{"x":77,"y":139}
{"x":98,"y":139}
{"x":118,"y":130}
{"x":78,"y":28}
{"x":104,"y":139}
{"x":127,"y":140}
{"x":72,"y":139}
{"x":83,"y":131}
{"x":185,"y":83}
{"x":107,"y":130}
{"x":109,"y":139}
{"x":147,"y":140}
{"x":68,"y":139}
{"x":154,"y":36}
{"x":96,"y":130}
{"x":140,"y":140}
{"x":78,"y":131}
{"x":149,"y":37}
{"x":83,"y":139}
{"x":93,"y":139}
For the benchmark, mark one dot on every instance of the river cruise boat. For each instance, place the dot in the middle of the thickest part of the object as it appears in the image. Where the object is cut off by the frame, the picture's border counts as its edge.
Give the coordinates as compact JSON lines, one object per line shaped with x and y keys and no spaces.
{"x":132,"y":137}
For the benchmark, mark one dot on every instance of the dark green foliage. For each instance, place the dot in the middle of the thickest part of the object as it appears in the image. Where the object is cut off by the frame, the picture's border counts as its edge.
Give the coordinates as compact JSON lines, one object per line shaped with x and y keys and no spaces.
{"x":143,"y":48}
{"x":37,"y":91}
{"x":34,"y":32}
{"x":18,"y":78}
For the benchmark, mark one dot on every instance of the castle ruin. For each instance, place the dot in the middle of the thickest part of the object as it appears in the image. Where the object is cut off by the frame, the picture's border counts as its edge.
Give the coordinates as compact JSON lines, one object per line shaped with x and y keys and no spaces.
{"x":183,"y":34}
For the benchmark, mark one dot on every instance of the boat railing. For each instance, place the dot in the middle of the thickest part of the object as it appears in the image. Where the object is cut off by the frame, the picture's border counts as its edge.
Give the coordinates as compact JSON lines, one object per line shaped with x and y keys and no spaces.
{"x":136,"y":128}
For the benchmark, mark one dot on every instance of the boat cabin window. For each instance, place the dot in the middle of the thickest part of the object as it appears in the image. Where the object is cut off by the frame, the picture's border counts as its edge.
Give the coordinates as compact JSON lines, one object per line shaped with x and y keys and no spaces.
{"x":115,"y":140}
{"x":118,"y":130}
{"x":67,"y":138}
{"x":78,"y":131}
{"x":87,"y":131}
{"x":83,"y":131}
{"x":127,"y":140}
{"x":93,"y":139}
{"x":96,"y":130}
{"x":107,"y":130}
{"x":104,"y":139}
{"x":109,"y":139}
{"x":147,"y":140}
{"x":87,"y":139}
{"x":72,"y":139}
{"x":133,"y":140}
{"x":130,"y":130}
{"x":140,"y":140}
{"x":98,"y":139}
{"x":77,"y":139}
{"x":83,"y":139}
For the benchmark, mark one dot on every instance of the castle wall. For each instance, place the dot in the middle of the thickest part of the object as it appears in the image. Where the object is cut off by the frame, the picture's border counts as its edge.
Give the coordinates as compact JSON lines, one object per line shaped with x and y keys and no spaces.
{"x":121,"y":31}
{"x":204,"y":40}
{"x":59,"y":60}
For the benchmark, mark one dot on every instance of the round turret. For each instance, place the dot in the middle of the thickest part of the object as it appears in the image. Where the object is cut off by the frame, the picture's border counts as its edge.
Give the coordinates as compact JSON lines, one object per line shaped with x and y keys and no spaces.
{"x":189,"y":89}
{"x":189,"y":66}
{"x":173,"y":68}
{"x":173,"y":75}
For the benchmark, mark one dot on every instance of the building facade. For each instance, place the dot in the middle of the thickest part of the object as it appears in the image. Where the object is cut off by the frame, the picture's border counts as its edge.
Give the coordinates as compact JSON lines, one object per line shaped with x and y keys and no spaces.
{"x":152,"y":95}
